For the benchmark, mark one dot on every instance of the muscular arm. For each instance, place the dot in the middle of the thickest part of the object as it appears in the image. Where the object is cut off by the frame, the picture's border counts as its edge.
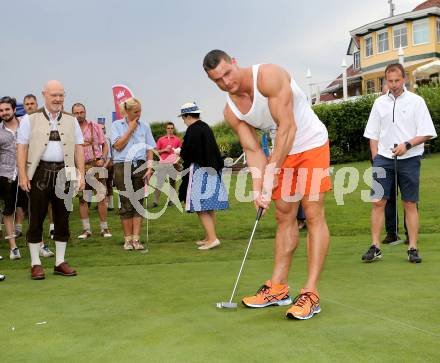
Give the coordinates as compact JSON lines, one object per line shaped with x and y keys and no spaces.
{"x":274,"y":83}
{"x":255,"y":157}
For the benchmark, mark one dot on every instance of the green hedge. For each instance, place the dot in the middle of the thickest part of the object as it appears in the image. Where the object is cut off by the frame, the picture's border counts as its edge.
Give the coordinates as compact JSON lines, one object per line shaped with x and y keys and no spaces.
{"x":227,"y":140}
{"x":345,"y":123}
{"x":431,"y":94}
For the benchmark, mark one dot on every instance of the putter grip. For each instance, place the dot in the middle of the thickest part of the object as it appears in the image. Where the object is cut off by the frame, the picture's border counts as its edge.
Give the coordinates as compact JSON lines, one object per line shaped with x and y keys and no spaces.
{"x":260,"y":213}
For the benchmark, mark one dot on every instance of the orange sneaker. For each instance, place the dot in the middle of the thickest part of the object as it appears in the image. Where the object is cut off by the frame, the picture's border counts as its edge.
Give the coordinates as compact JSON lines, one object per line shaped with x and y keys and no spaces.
{"x":268,"y":295}
{"x":305,"y":305}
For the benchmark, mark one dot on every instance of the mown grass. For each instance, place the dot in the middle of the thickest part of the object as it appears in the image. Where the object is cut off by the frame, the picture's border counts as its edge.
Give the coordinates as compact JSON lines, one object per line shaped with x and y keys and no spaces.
{"x":160,"y":306}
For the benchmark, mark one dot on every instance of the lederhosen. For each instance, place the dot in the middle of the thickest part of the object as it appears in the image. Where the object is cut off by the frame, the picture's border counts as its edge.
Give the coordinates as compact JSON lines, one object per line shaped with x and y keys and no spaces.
{"x":43,"y":191}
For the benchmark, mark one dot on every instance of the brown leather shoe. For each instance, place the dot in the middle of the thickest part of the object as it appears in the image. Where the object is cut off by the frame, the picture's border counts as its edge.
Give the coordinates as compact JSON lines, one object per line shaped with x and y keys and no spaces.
{"x":37,"y":272}
{"x":64,"y":269}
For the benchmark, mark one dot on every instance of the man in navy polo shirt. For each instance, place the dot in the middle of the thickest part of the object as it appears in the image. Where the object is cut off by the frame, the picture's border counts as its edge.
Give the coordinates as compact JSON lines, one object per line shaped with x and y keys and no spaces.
{"x":400,"y":118}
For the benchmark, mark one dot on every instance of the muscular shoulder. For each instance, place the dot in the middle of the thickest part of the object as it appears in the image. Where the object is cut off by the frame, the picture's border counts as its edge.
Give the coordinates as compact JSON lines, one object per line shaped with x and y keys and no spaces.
{"x":272,"y":78}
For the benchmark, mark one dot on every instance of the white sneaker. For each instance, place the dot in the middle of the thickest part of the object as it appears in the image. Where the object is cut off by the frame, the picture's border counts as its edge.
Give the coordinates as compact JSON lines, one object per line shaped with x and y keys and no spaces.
{"x":106,"y":233}
{"x":45,"y":251}
{"x":85,"y":234}
{"x":128,"y":246}
{"x":14,"y":254}
{"x":211,"y":245}
{"x":200,"y":243}
{"x":2,"y":277}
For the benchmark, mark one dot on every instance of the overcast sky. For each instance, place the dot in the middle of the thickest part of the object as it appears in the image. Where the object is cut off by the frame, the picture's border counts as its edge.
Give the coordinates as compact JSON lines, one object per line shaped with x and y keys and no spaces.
{"x":157,"y":47}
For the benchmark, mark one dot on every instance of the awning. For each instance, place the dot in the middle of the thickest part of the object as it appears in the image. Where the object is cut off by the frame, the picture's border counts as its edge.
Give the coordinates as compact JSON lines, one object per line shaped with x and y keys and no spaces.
{"x":423,"y":72}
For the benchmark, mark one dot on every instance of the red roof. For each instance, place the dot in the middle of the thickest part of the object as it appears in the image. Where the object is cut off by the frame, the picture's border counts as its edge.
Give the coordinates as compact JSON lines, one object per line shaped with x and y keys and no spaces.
{"x":351,"y":72}
{"x":427,"y":4}
{"x":325,"y":97}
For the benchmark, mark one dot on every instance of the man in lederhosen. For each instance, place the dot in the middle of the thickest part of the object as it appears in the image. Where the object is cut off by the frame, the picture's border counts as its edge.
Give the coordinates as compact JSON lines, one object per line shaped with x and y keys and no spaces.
{"x":49,"y":141}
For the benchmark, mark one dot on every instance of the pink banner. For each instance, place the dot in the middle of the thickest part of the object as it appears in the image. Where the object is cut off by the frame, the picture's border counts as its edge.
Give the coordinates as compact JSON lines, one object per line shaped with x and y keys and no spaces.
{"x":120,"y":94}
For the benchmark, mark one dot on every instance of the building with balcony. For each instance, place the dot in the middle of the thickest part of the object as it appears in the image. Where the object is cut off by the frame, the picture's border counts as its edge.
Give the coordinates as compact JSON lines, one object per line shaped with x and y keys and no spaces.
{"x":416,"y":34}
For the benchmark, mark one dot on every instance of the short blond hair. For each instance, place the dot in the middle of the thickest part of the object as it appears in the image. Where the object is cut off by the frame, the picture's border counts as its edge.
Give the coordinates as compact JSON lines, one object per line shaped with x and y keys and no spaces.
{"x":128,"y":104}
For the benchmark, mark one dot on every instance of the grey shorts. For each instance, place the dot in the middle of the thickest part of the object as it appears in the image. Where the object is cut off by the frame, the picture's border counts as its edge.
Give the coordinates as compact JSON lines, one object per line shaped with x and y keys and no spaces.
{"x":408,"y":177}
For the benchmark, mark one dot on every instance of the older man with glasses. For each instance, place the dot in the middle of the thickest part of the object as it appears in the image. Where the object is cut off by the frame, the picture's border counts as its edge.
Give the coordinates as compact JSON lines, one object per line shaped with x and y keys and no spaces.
{"x":49,"y":146}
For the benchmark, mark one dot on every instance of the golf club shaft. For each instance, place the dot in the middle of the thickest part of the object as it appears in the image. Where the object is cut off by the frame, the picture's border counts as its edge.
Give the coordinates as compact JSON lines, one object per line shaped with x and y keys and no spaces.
{"x":259,"y":214}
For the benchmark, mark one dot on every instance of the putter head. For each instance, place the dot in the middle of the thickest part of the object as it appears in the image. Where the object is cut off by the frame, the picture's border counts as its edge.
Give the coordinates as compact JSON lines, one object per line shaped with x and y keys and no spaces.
{"x":226,"y":305}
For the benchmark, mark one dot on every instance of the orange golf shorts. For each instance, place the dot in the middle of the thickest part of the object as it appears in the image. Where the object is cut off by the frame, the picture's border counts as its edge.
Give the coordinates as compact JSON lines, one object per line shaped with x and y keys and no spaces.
{"x":304,"y":174}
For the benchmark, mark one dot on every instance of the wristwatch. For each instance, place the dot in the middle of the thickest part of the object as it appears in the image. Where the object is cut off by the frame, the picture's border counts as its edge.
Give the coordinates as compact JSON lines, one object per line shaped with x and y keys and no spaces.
{"x":408,"y":145}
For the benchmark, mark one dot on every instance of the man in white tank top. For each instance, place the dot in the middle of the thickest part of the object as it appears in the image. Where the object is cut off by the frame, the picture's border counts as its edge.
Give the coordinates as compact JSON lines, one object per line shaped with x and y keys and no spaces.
{"x":263,"y":97}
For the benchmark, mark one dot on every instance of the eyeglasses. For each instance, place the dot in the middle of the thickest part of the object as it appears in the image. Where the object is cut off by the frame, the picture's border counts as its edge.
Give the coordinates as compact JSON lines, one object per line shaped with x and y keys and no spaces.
{"x":170,"y":128}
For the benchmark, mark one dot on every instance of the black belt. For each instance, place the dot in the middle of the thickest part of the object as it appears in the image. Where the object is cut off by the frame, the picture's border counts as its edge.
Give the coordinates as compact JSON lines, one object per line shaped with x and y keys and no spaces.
{"x":52,"y":165}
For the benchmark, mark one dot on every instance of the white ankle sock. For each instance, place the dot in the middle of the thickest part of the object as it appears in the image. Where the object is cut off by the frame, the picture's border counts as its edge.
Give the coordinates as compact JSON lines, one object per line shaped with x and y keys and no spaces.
{"x":136,"y":237}
{"x":86,"y":224}
{"x":60,"y":251}
{"x":34,"y":249}
{"x":19,"y":227}
{"x":128,"y":239}
{"x":110,"y":201}
{"x":51,"y":227}
{"x":104,"y":225}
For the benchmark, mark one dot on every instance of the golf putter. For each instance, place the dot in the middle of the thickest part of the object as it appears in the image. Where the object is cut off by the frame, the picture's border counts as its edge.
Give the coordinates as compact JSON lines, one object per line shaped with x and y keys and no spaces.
{"x":230,"y":304}
{"x":396,"y":195}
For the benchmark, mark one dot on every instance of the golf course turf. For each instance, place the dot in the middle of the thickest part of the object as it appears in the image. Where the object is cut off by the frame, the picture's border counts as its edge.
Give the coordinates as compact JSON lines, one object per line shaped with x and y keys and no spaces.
{"x":160,"y":306}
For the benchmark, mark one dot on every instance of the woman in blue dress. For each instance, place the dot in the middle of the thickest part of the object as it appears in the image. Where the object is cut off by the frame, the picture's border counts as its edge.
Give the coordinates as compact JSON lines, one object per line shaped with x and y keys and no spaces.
{"x":202,"y":188}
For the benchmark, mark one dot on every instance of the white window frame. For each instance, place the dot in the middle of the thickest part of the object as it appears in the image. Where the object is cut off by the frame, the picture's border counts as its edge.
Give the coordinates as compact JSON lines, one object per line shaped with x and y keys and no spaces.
{"x":358,"y":66}
{"x":378,"y":42}
{"x":370,"y":37}
{"x":381,"y":82}
{"x":426,"y":21}
{"x":371,"y":90}
{"x":400,"y":27}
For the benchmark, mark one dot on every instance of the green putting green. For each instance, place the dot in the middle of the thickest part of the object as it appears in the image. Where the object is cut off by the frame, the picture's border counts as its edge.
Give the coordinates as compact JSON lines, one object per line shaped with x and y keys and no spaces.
{"x":160,"y":306}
